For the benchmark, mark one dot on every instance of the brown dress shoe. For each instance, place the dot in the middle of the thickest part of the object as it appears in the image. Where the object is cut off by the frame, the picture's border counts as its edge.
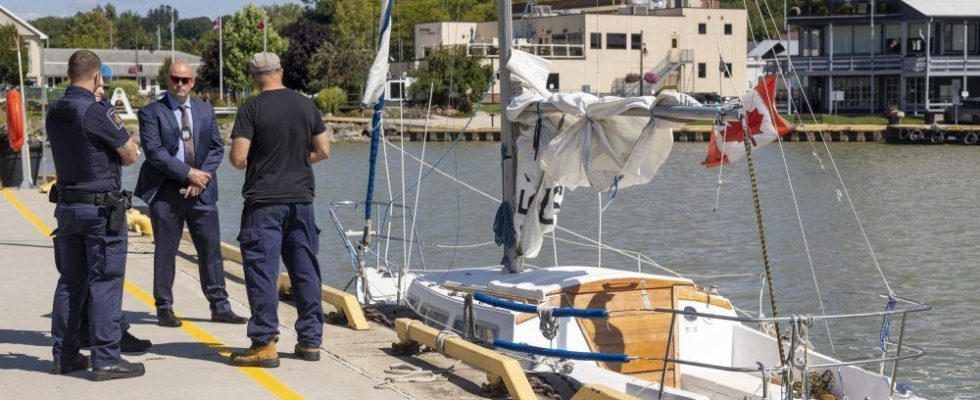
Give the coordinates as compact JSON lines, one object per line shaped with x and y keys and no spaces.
{"x":258,"y":355}
{"x":308,"y":354}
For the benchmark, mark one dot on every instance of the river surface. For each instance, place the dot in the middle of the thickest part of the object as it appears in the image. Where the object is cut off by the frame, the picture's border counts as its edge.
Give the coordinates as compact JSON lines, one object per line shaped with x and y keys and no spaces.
{"x":919,"y":206}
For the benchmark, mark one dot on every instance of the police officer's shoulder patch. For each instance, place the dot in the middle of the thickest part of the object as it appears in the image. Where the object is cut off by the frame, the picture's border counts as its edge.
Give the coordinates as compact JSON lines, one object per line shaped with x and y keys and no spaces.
{"x":114,"y":117}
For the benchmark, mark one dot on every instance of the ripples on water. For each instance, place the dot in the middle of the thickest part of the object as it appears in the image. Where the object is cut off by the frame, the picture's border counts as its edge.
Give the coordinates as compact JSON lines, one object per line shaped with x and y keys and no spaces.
{"x":919,"y":205}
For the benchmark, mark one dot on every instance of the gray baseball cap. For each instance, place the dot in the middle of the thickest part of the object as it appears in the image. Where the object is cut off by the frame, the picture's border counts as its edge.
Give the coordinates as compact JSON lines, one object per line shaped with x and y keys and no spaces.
{"x":264,"y":62}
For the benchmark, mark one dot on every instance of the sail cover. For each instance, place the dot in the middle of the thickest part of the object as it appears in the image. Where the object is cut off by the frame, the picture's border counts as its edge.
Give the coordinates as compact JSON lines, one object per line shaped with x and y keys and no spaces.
{"x":378,"y":75}
{"x":590,"y":144}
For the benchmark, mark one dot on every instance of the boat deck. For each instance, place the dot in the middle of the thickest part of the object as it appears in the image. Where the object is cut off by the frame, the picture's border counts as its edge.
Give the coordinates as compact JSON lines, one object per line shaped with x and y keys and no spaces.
{"x":191,"y":361}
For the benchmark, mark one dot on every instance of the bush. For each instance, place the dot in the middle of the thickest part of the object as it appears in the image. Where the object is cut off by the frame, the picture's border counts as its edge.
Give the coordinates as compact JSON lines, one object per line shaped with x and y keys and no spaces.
{"x":130,"y":87}
{"x":330,"y":99}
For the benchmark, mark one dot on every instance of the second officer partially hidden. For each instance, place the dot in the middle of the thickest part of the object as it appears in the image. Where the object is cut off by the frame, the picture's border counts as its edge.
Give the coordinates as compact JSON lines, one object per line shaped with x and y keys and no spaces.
{"x":89,"y":145}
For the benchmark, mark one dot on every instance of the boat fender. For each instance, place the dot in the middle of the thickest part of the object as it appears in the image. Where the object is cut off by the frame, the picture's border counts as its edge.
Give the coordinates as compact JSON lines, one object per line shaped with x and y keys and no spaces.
{"x":139,"y":223}
{"x":917,"y":135}
{"x":938,"y":137}
{"x":904,"y":134}
{"x":971,"y":138}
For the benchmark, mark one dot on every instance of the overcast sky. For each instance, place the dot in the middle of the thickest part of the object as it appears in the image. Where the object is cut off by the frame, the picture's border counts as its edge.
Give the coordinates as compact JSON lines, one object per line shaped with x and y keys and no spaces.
{"x":31,"y":9}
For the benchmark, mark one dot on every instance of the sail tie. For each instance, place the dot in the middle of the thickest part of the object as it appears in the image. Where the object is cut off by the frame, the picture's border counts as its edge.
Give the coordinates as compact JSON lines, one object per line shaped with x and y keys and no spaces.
{"x":547,"y":321}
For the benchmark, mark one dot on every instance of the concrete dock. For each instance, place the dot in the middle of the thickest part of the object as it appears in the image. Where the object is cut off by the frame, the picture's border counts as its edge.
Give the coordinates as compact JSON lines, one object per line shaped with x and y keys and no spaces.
{"x":191,"y":361}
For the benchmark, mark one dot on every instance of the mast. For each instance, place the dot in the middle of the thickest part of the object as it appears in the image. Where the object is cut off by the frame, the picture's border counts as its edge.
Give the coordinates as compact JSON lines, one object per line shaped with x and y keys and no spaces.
{"x":508,"y":149}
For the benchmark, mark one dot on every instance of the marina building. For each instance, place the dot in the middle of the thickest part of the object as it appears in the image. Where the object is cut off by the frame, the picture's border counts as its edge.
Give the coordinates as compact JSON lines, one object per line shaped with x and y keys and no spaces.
{"x":866,"y":55}
{"x":140,"y":65}
{"x":689,"y":45}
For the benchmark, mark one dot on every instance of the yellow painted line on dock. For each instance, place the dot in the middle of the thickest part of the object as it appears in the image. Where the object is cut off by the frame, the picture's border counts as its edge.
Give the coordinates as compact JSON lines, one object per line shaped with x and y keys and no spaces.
{"x":259,"y":375}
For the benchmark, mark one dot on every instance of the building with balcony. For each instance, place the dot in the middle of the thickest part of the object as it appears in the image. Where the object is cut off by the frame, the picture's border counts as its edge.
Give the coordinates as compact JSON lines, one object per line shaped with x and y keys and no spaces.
{"x":915,"y":54}
{"x":35,"y":39}
{"x":688,"y":44}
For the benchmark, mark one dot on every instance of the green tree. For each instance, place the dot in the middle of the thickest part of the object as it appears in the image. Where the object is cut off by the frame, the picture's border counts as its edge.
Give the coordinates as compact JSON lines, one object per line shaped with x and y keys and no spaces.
{"x":283,"y":15}
{"x":458,"y":80}
{"x":163,"y":74}
{"x":242,"y":39}
{"x":339,"y":65}
{"x":54,"y":27}
{"x":89,"y":30}
{"x":9,"y":72}
{"x":128,"y":31}
{"x":330,"y":100}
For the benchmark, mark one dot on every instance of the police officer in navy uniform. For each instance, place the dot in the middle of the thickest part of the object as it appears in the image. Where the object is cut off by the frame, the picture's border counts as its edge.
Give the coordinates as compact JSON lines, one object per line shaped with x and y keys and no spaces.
{"x":89,"y":145}
{"x":128,"y":343}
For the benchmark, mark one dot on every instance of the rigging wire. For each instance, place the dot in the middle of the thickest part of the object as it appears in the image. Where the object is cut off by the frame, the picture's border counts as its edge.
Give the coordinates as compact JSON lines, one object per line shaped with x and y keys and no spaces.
{"x":830,"y":155}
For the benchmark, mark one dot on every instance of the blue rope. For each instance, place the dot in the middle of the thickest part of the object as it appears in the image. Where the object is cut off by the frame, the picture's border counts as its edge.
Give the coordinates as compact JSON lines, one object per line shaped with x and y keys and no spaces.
{"x":530,"y":308}
{"x":373,"y":163}
{"x":886,"y":323}
{"x":503,"y":226}
{"x":560,"y":353}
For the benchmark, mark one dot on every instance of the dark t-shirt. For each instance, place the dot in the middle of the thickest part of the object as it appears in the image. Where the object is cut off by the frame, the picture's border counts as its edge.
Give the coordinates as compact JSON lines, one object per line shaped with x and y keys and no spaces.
{"x":281,"y":125}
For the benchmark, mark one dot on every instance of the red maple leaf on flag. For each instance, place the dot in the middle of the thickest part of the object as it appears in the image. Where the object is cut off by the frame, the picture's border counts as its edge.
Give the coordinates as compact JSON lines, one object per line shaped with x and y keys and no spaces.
{"x":261,"y":25}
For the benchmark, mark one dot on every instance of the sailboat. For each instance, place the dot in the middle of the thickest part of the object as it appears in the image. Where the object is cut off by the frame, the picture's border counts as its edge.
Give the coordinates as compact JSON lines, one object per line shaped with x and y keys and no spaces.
{"x":643,"y":334}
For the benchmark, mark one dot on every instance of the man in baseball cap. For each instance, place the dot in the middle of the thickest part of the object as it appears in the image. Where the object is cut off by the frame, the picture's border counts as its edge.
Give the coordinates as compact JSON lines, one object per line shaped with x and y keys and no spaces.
{"x":277,"y":136}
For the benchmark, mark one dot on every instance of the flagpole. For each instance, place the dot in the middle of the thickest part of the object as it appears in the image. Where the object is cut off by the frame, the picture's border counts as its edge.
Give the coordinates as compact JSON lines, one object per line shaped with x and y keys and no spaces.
{"x":265,"y":35}
{"x":25,"y":151}
{"x":221,"y":58}
{"x":172,"y":23}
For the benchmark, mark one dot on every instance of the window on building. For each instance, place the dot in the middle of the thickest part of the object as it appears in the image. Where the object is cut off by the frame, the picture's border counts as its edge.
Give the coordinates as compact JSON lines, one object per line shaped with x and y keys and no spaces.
{"x":862,"y":39}
{"x":892,"y":86}
{"x":702,"y":70}
{"x":812,"y":41}
{"x":891,"y":39}
{"x":857,"y":92}
{"x":728,"y":29}
{"x":673,"y":43}
{"x":917,"y":36}
{"x":843,"y":39}
{"x":559,"y":38}
{"x":553,"y":82}
{"x":959,"y":37}
{"x":616,"y":41}
{"x":595,"y":40}
{"x":728,"y":70}
{"x":636,"y":41}
{"x":703,"y":28}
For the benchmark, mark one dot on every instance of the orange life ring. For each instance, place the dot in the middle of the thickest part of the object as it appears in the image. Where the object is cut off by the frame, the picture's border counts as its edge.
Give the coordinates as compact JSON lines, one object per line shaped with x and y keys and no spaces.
{"x":15,"y":120}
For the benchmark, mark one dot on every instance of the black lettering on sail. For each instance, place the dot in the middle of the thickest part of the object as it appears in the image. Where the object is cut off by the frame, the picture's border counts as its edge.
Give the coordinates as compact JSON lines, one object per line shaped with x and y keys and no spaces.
{"x":544,"y":205}
{"x":521,"y":208}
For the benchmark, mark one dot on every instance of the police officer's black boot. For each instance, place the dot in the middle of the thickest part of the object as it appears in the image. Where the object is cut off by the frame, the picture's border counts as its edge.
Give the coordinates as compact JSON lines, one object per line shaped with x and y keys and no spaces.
{"x":124,"y":369}
{"x":61,"y":367}
{"x":133,"y":344}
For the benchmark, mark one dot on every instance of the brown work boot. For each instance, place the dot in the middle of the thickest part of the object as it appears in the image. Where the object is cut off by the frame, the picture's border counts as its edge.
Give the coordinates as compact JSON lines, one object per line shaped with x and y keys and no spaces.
{"x":259,"y":355}
{"x":308,"y":354}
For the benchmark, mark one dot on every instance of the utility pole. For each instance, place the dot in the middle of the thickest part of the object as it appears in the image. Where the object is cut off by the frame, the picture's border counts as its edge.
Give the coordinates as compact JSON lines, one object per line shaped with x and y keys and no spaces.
{"x":643,"y":51}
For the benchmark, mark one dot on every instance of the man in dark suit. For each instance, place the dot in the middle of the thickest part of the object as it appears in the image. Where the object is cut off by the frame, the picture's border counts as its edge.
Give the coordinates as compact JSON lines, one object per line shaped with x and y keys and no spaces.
{"x":183,"y":148}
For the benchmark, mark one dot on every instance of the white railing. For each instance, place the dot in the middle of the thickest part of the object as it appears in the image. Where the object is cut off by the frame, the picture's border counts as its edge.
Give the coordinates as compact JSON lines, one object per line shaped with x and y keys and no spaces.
{"x":549,"y":50}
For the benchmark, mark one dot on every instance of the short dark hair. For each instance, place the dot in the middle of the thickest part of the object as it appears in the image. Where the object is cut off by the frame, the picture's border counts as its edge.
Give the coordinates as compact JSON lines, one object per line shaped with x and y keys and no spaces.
{"x":83,"y":64}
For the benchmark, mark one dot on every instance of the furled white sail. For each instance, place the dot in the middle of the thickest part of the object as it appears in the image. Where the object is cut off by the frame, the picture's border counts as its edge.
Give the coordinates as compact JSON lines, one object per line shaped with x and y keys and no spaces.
{"x":378,"y":75}
{"x":591,"y":143}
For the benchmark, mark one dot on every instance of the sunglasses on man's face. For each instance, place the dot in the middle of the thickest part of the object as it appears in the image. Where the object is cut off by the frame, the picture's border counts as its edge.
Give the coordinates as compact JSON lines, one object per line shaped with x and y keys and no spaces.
{"x":181,"y":80}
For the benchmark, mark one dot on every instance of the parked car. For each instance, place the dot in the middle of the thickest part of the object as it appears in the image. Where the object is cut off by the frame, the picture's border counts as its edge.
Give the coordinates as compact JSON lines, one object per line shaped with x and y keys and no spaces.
{"x":968,"y":112}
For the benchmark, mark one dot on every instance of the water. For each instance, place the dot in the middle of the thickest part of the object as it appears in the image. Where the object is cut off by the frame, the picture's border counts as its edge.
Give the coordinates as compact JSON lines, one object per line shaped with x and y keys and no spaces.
{"x":918,"y":204}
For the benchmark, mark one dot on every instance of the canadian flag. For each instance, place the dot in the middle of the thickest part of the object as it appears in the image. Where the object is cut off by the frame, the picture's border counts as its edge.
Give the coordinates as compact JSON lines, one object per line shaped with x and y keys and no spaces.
{"x":764,"y":123}
{"x":216,"y":23}
{"x":261,"y":26}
